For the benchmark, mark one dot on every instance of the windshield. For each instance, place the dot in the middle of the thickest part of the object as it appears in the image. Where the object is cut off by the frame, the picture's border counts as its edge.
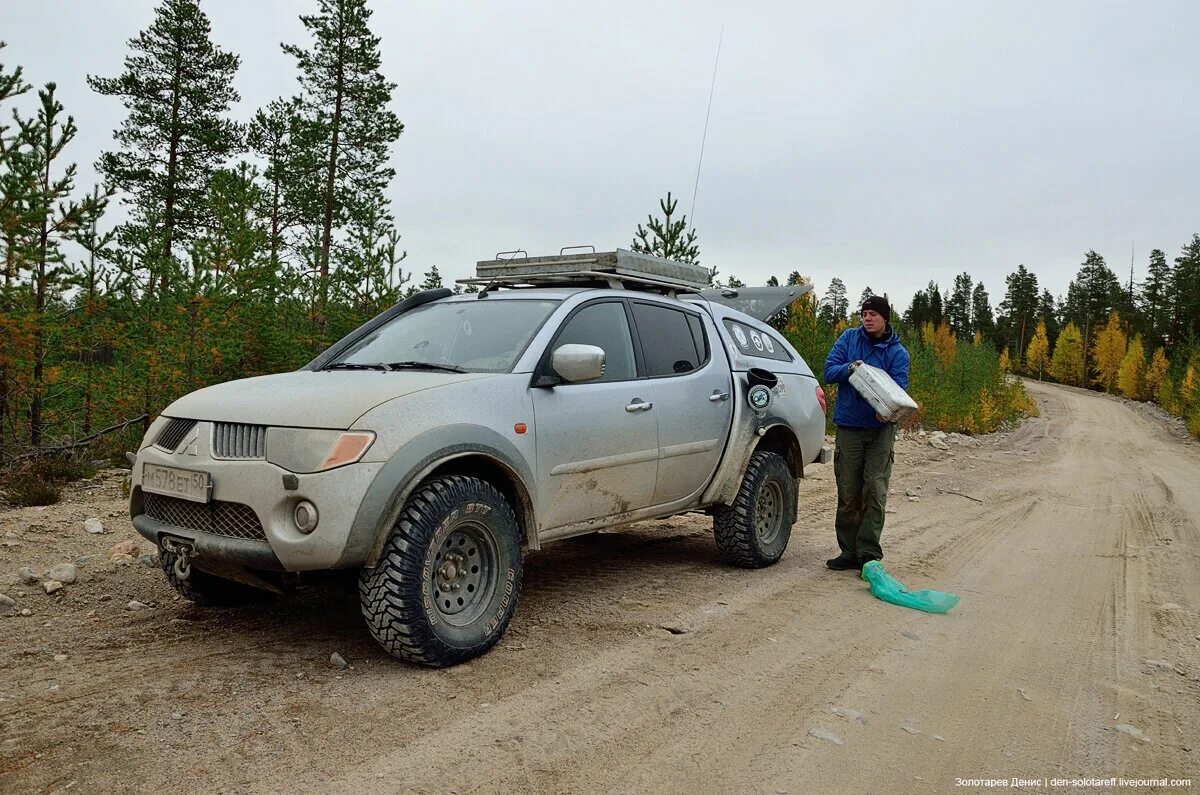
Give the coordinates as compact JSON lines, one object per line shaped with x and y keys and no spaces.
{"x":478,"y":336}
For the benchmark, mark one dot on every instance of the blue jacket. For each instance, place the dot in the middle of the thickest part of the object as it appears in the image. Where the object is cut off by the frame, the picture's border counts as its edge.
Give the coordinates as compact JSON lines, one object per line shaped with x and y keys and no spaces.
{"x":888,"y":354}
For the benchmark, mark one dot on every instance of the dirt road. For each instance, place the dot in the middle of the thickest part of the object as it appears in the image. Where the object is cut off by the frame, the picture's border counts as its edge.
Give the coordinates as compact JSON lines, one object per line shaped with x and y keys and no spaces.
{"x":1074,"y":542}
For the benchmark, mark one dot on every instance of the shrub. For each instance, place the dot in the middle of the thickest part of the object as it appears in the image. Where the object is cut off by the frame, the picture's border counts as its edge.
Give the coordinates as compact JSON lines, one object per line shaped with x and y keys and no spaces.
{"x":60,"y":468}
{"x":28,"y":489}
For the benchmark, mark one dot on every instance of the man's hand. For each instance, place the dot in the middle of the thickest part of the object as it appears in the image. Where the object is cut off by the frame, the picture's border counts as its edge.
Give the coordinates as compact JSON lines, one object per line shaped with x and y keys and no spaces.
{"x":881,"y":419}
{"x":854,"y":365}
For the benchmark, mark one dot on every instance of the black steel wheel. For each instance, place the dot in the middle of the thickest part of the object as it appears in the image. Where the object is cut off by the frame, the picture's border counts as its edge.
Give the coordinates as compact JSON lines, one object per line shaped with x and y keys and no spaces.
{"x":447,"y":583}
{"x":754,"y":531}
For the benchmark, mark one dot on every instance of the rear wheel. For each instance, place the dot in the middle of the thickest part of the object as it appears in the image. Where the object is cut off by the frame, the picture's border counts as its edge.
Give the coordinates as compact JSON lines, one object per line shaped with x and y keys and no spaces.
{"x":447,"y":583}
{"x":754,"y":531}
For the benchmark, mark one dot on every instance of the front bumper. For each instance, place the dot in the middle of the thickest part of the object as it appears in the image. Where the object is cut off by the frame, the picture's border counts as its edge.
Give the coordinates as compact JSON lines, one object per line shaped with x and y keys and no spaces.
{"x":258,"y":485}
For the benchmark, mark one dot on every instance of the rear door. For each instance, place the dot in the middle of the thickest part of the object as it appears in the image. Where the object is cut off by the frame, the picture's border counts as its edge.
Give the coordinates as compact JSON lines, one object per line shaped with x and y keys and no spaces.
{"x":597,"y":442}
{"x":693,"y":395}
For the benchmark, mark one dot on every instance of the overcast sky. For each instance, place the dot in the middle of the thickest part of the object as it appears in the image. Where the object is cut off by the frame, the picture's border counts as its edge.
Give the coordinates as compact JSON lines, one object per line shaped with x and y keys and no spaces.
{"x":884,"y":143}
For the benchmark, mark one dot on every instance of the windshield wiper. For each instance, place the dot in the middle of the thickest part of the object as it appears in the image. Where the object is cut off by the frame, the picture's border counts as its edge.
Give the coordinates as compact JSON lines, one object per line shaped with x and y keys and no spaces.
{"x":414,"y":365}
{"x":354,"y":366}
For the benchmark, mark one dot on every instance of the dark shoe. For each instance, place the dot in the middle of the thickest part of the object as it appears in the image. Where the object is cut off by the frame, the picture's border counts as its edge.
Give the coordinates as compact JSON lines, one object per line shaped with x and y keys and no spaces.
{"x":863,"y":561}
{"x":843,"y":562}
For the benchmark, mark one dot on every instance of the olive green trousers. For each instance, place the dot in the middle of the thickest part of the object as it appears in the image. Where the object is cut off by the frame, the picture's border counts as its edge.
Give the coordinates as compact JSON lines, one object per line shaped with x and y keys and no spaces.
{"x":862,"y":467}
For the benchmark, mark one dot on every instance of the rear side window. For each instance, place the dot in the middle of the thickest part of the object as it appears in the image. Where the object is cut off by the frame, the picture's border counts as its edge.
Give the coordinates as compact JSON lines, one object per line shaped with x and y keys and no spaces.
{"x":752,"y":342}
{"x":670,"y":343}
{"x":606,"y":327}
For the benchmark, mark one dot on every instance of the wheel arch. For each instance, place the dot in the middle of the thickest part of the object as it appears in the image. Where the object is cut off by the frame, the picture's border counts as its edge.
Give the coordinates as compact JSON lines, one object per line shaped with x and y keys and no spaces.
{"x":451,"y":450}
{"x":781,"y":440}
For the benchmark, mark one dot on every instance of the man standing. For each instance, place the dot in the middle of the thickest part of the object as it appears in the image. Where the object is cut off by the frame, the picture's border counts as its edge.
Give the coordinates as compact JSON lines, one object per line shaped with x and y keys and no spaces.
{"x":863,"y":452}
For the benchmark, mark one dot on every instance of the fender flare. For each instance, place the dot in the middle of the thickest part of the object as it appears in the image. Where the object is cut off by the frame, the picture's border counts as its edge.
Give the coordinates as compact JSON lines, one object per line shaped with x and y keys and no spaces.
{"x":411,"y":464}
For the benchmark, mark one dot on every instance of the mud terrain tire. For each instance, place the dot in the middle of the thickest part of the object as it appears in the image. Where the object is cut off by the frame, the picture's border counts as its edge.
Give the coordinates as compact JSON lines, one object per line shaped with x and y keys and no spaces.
{"x":754,"y":531}
{"x":208,"y":590}
{"x":447,"y":582}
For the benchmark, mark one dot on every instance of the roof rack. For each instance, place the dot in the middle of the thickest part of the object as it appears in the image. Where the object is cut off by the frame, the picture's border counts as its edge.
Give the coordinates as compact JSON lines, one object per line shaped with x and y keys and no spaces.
{"x":617,"y":269}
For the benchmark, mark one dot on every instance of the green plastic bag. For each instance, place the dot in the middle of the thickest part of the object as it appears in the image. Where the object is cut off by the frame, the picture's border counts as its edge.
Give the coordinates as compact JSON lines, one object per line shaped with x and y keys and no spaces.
{"x":889,"y":589}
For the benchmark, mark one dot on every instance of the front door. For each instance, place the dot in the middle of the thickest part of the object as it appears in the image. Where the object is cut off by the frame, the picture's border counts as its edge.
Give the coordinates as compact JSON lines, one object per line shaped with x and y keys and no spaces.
{"x":597,"y":442}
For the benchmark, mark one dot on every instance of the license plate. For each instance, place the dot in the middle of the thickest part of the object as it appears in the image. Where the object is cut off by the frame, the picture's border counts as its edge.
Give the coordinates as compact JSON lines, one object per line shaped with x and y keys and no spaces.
{"x":187,"y":484}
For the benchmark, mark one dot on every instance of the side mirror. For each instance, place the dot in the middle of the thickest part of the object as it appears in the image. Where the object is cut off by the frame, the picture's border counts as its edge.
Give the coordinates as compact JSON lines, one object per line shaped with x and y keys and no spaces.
{"x":578,"y":363}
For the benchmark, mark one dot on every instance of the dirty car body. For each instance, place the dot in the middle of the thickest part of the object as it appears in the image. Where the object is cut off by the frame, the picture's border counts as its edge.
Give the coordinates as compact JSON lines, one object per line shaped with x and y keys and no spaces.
{"x":467,"y":409}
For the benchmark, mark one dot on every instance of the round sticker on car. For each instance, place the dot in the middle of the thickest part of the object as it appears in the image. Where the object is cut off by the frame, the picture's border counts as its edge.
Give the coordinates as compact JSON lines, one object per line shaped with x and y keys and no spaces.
{"x":756,"y":339}
{"x":767,"y":341}
{"x":741,"y":336}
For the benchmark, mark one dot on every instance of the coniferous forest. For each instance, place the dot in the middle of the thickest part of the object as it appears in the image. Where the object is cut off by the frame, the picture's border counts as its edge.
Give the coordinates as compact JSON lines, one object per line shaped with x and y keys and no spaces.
{"x":220,"y":248}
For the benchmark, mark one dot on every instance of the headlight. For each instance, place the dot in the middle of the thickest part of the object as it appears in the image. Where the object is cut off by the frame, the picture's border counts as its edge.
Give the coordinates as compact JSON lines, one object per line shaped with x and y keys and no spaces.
{"x":306,"y":450}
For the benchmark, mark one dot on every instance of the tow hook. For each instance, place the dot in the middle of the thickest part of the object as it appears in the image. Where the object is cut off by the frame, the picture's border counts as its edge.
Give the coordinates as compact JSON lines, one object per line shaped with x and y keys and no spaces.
{"x":183,"y":552}
{"x":183,"y":566}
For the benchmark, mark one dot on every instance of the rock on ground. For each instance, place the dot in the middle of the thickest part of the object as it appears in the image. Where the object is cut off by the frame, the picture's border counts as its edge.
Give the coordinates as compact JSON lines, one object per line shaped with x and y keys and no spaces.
{"x":93,"y":526}
{"x":64,"y":572}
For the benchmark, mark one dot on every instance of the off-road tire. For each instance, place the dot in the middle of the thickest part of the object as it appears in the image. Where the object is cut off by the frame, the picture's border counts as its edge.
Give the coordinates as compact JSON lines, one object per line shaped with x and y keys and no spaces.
{"x":754,"y":531}
{"x":208,"y":590}
{"x":454,"y":532}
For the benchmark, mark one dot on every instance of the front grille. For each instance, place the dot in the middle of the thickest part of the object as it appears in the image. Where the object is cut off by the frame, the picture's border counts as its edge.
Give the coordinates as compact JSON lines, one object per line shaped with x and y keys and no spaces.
{"x":234,"y":440}
{"x":229,"y":519}
{"x":170,"y":436}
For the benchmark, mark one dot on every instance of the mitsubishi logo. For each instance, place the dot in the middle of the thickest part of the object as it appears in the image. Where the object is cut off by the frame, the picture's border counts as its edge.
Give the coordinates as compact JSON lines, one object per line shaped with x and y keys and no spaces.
{"x":188,"y":446}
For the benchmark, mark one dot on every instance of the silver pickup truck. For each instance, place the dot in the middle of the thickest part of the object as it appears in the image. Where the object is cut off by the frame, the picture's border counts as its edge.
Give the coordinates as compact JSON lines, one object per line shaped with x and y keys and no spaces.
{"x":430,"y":447}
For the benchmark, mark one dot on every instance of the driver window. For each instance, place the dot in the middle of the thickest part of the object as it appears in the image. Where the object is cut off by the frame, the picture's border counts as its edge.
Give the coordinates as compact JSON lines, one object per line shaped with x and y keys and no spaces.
{"x":605,"y":326}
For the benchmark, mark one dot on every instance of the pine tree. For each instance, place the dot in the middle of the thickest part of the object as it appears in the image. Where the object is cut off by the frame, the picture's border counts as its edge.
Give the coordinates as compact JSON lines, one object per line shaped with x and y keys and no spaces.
{"x":1038,"y":355}
{"x":1111,"y":344}
{"x":917,"y":313}
{"x":773,"y":281}
{"x":734,"y":282}
{"x":274,"y":135}
{"x":1185,"y":292}
{"x":982,"y":320}
{"x":936,"y":311}
{"x":1048,"y":314}
{"x":177,"y":86}
{"x":1156,"y":307}
{"x":670,"y":237}
{"x":1067,"y":363}
{"x":1091,"y":297}
{"x":1020,"y":308}
{"x":16,"y":184}
{"x":958,"y":306}
{"x":866,"y":293}
{"x":347,"y":126}
{"x":433,"y":279}
{"x":56,"y":218}
{"x":835,"y":305}
{"x":1005,"y":363}
{"x":91,"y":279}
{"x":1131,"y":375}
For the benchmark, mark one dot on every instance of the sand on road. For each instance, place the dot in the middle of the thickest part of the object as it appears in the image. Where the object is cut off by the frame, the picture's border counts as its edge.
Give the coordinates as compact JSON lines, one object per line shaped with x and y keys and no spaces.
{"x":638,"y":662}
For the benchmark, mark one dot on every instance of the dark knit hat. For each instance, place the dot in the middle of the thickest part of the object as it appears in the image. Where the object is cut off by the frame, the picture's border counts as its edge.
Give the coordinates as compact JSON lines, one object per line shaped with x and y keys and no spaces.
{"x":879,"y":304}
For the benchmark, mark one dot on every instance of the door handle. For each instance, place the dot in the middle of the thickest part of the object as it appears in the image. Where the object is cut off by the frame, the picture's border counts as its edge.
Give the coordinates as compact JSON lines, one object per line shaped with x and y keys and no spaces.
{"x":717,"y":396}
{"x":639,"y":405}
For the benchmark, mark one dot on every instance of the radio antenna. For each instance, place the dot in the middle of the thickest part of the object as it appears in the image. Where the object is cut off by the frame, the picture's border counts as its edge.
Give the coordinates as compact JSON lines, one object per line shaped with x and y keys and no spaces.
{"x":704,"y":137}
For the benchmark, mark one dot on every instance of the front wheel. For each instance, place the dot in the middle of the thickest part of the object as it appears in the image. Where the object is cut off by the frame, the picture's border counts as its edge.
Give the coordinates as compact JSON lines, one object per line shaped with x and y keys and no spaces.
{"x":447,"y":583}
{"x":754,"y":531}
